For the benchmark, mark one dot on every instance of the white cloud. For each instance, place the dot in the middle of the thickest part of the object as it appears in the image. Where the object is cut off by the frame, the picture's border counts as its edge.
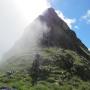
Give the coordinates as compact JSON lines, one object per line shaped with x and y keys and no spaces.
{"x":86,"y":17}
{"x":70,"y":21}
{"x":76,"y":27}
{"x":30,"y":9}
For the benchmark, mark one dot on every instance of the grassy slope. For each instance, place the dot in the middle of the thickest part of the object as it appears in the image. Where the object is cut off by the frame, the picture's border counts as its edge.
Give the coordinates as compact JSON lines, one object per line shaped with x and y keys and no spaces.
{"x":61,"y":70}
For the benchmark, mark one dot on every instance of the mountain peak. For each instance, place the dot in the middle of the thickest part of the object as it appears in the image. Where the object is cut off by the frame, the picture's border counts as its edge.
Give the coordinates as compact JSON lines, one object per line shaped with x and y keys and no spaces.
{"x":54,"y":32}
{"x":50,"y":11}
{"x":50,"y":17}
{"x":50,"y":14}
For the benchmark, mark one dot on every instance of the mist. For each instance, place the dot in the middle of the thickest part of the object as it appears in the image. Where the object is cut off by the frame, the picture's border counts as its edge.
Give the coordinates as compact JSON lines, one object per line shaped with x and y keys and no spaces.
{"x":15,"y":16}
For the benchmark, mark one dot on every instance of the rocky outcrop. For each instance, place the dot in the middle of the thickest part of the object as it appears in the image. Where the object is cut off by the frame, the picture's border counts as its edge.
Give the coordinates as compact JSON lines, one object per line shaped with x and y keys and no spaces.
{"x":60,"y":35}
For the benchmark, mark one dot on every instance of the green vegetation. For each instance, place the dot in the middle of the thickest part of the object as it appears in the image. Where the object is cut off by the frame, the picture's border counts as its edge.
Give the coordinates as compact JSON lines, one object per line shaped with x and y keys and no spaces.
{"x":53,"y":69}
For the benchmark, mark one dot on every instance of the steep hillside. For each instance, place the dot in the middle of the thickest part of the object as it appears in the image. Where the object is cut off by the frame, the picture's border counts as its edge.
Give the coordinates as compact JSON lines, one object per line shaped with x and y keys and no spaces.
{"x":53,"y":69}
{"x":47,"y":30}
{"x":49,"y":56}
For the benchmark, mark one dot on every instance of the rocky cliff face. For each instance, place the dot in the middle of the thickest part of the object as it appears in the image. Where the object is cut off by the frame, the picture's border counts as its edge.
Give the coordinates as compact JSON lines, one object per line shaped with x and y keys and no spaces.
{"x":47,"y":30}
{"x":60,"y":35}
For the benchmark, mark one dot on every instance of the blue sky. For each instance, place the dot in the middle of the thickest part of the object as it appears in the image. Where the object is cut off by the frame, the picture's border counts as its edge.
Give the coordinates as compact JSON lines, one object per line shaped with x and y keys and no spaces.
{"x":80,"y":11}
